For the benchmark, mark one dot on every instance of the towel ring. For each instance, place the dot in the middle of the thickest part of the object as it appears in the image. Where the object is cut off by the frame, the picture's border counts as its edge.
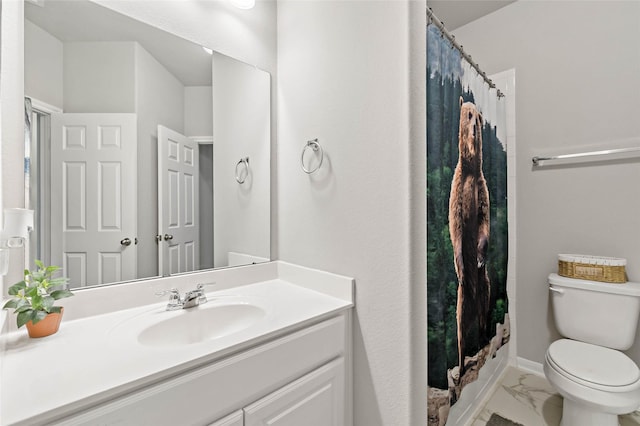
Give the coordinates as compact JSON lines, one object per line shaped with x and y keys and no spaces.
{"x":315,"y":146}
{"x":245,"y":162}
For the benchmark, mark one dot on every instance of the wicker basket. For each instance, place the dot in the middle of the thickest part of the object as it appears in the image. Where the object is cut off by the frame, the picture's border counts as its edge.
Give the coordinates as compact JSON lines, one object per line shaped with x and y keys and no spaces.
{"x":605,"y":269}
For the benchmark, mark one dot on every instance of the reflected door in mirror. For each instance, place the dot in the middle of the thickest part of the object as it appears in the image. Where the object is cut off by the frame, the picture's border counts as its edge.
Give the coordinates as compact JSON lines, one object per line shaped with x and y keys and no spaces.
{"x":177,"y":202}
{"x":93,"y":211}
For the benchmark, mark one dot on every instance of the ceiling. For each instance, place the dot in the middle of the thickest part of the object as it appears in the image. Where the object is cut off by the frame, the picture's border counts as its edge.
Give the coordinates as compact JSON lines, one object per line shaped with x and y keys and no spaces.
{"x":456,"y":13}
{"x":74,"y":20}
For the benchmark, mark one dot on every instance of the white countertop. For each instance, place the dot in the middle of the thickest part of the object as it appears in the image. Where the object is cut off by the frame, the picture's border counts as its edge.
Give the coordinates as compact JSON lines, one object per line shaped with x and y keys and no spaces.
{"x":93,"y":359}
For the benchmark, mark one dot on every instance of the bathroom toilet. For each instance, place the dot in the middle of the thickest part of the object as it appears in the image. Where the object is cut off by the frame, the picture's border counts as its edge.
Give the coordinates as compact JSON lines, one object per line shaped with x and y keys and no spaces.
{"x":597,"y":321}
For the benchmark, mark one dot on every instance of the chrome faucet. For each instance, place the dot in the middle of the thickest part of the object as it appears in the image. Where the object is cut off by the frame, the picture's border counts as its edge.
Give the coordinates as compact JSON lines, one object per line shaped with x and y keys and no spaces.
{"x":191,"y":298}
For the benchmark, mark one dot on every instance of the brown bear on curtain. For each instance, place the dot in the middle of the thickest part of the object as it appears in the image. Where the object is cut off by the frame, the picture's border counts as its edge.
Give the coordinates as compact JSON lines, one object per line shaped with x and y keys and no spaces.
{"x":469,"y":229}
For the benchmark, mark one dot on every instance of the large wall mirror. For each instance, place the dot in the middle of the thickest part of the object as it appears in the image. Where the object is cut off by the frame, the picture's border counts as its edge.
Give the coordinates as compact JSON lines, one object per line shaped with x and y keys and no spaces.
{"x":147,"y":154}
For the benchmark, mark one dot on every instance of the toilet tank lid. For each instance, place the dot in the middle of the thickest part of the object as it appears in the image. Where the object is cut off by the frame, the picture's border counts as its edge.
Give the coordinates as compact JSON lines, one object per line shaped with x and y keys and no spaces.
{"x":628,"y":288}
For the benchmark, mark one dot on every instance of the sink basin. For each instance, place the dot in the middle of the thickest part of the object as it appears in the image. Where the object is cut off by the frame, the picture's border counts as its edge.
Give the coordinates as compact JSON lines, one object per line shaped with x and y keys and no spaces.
{"x":198,"y":324}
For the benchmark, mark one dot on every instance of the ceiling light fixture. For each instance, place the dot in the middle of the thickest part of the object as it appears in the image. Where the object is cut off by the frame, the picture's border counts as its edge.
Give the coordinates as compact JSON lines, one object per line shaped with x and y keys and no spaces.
{"x":243,"y":4}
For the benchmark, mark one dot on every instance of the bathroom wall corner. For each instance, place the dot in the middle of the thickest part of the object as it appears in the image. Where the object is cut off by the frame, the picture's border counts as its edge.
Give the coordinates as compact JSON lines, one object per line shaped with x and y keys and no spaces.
{"x":418,"y":210}
{"x":530,"y":366}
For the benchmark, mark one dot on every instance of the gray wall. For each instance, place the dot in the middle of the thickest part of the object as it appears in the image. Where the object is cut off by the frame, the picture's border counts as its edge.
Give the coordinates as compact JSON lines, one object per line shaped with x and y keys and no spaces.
{"x":99,"y":77}
{"x":198,"y":110}
{"x":42,"y":65}
{"x":241,"y":128}
{"x":159,"y":100}
{"x":577,"y":87}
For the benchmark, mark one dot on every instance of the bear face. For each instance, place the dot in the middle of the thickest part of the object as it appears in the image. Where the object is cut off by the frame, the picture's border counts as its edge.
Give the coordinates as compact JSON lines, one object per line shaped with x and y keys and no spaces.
{"x":470,"y":135}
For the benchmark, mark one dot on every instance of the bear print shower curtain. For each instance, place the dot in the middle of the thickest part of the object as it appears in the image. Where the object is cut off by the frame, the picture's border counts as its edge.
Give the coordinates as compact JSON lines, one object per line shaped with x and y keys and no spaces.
{"x":466,"y":224}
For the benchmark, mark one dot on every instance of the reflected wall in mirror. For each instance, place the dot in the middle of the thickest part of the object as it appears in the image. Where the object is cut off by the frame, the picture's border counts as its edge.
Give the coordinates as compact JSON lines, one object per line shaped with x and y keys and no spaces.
{"x":138,"y":145}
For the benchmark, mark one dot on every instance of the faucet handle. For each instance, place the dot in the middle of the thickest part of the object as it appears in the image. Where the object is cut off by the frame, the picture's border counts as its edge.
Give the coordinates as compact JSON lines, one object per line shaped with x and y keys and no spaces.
{"x":200,"y":288}
{"x":173,"y":292}
{"x":175,"y":301}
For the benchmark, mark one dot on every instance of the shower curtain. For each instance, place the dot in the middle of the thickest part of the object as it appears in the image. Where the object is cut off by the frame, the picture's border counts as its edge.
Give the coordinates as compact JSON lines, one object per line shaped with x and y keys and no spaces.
{"x":466,"y":224}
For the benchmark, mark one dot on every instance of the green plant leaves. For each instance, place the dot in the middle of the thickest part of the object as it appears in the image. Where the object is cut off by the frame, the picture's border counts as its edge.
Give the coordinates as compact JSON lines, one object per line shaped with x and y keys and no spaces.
{"x":35,"y":296}
{"x":47,"y":303}
{"x":11,"y":304}
{"x":38,"y":316}
{"x":30,"y":315}
{"x":24,"y":317}
{"x":14,"y":289}
{"x":36,"y":299}
{"x":59,"y":294}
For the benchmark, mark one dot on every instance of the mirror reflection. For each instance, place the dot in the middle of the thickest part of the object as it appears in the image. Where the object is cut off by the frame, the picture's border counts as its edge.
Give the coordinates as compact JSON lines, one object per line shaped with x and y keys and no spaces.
{"x":147,"y":154}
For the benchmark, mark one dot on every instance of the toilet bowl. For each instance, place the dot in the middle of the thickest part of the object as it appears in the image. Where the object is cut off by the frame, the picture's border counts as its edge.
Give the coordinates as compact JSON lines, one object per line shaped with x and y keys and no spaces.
{"x":597,"y":383}
{"x":596,"y":380}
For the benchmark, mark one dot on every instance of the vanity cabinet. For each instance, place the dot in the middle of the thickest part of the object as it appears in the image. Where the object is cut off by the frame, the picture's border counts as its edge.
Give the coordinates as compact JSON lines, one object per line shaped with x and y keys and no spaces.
{"x":316,"y":399}
{"x":297,"y":378}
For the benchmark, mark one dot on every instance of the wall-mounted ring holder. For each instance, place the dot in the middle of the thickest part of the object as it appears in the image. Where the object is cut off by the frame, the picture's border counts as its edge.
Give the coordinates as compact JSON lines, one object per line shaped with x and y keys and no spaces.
{"x":316,"y":148}
{"x":239,"y":175}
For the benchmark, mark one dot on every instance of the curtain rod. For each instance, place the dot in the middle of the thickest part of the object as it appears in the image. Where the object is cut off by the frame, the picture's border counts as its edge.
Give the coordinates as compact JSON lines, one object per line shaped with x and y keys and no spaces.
{"x":431,"y":17}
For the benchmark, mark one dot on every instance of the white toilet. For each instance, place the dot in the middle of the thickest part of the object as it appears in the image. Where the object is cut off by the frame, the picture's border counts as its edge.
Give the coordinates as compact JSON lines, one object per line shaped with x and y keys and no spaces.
{"x":598,"y":320}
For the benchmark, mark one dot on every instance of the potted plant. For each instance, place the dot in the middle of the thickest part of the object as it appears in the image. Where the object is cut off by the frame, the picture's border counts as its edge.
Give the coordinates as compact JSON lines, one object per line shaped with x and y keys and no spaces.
{"x":34,"y":297}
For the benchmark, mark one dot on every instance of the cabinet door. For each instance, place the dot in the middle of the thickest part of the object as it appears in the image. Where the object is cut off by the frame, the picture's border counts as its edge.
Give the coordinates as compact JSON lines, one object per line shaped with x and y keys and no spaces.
{"x":316,"y":399}
{"x":233,"y":419}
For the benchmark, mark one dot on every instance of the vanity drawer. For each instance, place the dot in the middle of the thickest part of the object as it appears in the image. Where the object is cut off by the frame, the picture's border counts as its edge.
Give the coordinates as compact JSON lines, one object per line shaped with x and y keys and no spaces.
{"x":208,"y":393}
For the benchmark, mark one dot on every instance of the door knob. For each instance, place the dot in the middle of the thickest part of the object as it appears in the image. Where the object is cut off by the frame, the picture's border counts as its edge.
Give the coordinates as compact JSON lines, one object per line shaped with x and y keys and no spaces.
{"x":125,"y":241}
{"x":168,"y":237}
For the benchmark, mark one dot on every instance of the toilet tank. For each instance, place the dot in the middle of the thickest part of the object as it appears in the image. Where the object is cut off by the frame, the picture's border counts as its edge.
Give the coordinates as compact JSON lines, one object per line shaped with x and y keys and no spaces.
{"x":603,"y":314}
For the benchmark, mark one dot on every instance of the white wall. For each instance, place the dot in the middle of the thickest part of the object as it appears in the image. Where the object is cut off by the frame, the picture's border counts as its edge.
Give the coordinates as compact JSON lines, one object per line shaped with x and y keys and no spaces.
{"x":159,"y":100}
{"x":198,"y":110}
{"x":43,"y":65}
{"x":577,"y":67}
{"x":99,"y":77}
{"x":12,"y":125}
{"x":348,"y":72}
{"x":241,"y":129}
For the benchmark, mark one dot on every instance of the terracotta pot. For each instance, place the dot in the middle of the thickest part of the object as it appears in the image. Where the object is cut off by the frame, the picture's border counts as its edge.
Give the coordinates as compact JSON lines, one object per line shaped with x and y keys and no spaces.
{"x":46,"y":327}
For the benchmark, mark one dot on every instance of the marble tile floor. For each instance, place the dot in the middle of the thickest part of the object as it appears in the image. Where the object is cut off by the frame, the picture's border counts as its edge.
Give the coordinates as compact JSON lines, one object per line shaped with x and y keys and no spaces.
{"x":530,"y":399}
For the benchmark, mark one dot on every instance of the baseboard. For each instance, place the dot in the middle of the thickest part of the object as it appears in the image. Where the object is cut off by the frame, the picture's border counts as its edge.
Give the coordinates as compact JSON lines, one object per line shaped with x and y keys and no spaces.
{"x":530,"y":366}
{"x":475,"y":395}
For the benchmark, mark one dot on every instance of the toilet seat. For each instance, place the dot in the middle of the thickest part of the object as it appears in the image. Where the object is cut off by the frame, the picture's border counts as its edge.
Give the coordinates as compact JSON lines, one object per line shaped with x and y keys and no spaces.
{"x":593,"y":366}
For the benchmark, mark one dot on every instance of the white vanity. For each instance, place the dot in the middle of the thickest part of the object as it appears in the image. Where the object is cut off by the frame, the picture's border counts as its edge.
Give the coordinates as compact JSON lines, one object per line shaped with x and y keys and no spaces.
{"x":271,"y":347}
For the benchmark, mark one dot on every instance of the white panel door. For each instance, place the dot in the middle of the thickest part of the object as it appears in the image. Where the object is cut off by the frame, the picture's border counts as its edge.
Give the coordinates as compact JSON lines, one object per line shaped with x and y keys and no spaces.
{"x":93,"y":202}
{"x":316,"y":399}
{"x":177,"y":202}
